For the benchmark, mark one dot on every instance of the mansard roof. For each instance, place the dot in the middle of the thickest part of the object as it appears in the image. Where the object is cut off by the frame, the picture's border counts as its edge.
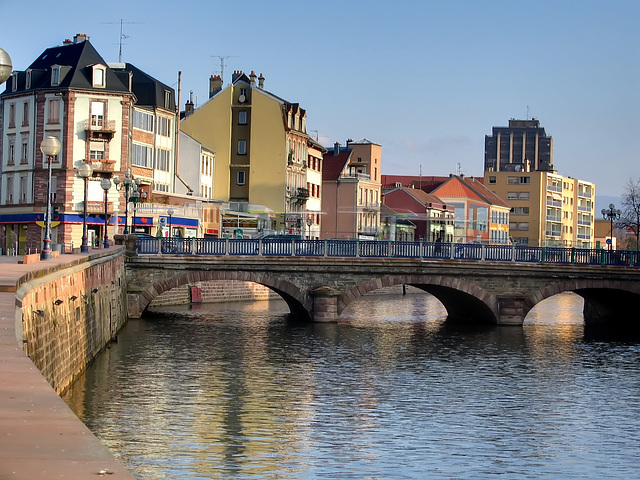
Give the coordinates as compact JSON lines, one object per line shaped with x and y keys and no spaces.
{"x":148,"y":91}
{"x":76,"y":61}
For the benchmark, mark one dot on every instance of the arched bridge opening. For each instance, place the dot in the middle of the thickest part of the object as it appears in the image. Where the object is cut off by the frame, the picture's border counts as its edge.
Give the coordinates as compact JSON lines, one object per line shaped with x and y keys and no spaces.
{"x":291,"y":294}
{"x":464,"y":301}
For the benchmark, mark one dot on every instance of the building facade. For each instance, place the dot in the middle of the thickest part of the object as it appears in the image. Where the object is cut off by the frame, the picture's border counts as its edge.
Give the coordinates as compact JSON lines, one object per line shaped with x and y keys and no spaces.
{"x":69,"y":92}
{"x":351,"y":191}
{"x":260,"y":145}
{"x":522,"y":146}
{"x":547,"y":209}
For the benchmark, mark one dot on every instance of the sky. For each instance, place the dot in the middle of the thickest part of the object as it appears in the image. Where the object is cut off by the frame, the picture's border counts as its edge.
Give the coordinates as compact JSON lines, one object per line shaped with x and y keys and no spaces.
{"x":425,"y":79}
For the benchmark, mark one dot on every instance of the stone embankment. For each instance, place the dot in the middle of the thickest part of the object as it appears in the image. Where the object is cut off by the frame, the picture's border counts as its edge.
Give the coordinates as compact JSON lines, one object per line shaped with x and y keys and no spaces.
{"x":55,"y":316}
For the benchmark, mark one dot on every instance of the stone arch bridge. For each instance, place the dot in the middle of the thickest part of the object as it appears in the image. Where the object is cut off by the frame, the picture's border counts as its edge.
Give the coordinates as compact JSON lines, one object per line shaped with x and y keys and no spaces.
{"x":319,"y":289}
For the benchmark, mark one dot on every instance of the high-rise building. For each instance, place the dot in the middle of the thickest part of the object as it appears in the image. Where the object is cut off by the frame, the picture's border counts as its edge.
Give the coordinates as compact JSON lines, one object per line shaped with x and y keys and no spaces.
{"x":522,"y":146}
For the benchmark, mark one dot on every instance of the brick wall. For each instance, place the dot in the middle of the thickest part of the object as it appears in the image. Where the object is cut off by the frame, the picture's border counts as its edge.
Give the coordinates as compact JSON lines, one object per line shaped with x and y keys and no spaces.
{"x":68,"y":316}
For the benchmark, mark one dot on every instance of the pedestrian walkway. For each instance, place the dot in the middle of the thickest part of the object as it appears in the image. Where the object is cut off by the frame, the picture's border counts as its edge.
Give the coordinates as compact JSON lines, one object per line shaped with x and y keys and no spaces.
{"x":40,"y":437}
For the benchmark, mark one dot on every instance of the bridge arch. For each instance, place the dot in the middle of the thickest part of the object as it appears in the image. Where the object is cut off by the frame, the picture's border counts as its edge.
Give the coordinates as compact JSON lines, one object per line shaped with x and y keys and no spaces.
{"x":605,"y":301}
{"x":463,"y":300}
{"x":290,"y":293}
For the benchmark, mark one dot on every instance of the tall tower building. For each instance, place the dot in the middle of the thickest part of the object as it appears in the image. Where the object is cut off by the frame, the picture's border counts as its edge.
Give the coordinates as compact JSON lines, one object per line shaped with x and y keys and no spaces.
{"x":521,"y":147}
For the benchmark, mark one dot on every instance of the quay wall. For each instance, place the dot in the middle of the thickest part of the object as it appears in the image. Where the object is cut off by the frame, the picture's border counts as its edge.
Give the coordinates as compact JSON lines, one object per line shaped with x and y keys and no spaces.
{"x":64,"y":319}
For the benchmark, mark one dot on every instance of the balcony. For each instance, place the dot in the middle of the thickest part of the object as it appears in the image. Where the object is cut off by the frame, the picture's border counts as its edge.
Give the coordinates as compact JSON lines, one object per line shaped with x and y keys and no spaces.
{"x":371,"y":206}
{"x":93,"y":207}
{"x":103,"y":165}
{"x":100,"y":129}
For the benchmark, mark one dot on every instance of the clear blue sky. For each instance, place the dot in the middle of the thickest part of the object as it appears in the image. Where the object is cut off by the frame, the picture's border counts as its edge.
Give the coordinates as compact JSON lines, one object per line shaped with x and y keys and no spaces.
{"x":425,"y":79}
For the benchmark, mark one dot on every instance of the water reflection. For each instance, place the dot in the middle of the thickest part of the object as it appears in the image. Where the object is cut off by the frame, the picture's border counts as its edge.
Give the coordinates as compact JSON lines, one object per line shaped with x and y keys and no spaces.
{"x":392,"y":391}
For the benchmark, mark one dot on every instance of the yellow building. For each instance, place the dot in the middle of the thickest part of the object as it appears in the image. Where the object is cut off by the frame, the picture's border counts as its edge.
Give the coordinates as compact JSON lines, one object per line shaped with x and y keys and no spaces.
{"x":260,"y":142}
{"x":547,"y":209}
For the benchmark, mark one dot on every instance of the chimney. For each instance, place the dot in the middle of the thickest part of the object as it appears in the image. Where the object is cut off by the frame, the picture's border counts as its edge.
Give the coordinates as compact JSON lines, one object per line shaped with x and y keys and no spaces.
{"x":188,"y":108}
{"x":253,"y":77}
{"x":67,"y":41}
{"x":336,"y":148}
{"x":260,"y":81}
{"x":215,"y":85}
{"x":80,"y":37}
{"x":236,"y":75}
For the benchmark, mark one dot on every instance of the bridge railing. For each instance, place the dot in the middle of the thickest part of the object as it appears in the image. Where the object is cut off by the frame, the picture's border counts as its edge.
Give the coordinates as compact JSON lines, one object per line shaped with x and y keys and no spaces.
{"x":380,"y":249}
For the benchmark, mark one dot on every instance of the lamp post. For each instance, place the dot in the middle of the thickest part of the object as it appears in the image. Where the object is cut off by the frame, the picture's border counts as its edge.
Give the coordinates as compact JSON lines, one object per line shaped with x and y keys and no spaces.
{"x":5,"y":66}
{"x":105,"y":183}
{"x":611,"y":214}
{"x":50,"y":147}
{"x":136,"y":196}
{"x":170,"y":212}
{"x":127,"y":184}
{"x":85,"y":171}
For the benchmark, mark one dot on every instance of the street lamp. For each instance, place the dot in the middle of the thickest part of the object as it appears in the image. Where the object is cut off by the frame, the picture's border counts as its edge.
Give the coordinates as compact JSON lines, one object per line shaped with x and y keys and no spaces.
{"x":170,"y":212}
{"x":127,"y":184}
{"x":85,"y":170}
{"x":105,"y":183}
{"x":611,"y":214}
{"x":5,"y":66}
{"x":50,"y":147}
{"x":136,"y":196}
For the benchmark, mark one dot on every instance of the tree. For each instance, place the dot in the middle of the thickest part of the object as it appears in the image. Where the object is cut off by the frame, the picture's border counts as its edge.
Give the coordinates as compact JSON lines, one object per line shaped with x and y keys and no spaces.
{"x":630,"y":218}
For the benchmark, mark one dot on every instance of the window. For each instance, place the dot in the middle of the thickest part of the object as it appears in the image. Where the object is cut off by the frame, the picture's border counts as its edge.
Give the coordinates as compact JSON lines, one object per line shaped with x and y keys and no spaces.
{"x":512,"y":195}
{"x":512,"y":180}
{"x":141,"y":155}
{"x":242,"y":117}
{"x":167,"y":99}
{"x":521,"y":211}
{"x":523,"y":196}
{"x":142,"y":121}
{"x":164,"y":126}
{"x":240,"y":179}
{"x":25,"y":114}
{"x":54,"y":110}
{"x":492,"y":179}
{"x":99,"y":76}
{"x":163,"y":157}
{"x":28,"y":80}
{"x":525,"y":180}
{"x":242,"y":147}
{"x":97,"y":114}
{"x":55,"y":75}
{"x":25,"y":152}
{"x":12,"y":153}
{"x":12,"y":115}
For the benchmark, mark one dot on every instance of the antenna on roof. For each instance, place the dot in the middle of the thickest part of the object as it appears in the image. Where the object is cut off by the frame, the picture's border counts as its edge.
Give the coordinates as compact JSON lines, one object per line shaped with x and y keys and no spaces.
{"x":222,"y":64}
{"x":122,"y":35}
{"x":527,"y":112}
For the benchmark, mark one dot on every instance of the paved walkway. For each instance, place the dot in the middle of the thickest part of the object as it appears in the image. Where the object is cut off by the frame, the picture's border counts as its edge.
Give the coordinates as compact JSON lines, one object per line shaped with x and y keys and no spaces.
{"x":40,"y":437}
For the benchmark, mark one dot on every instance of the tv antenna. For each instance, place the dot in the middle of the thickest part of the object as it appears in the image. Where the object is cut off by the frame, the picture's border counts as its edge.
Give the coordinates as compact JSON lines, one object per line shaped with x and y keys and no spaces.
{"x":222,"y":64}
{"x":527,"y":112}
{"x":122,"y":35}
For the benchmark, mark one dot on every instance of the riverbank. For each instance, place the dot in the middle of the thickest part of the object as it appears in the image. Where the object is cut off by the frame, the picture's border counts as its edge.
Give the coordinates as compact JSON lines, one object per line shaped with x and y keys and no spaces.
{"x":40,"y":437}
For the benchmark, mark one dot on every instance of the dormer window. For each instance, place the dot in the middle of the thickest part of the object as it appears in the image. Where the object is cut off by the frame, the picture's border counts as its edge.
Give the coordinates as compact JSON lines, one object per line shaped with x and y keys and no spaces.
{"x":28,"y":80}
{"x":167,"y":99}
{"x":99,"y":73}
{"x":55,"y":76}
{"x":14,"y":82}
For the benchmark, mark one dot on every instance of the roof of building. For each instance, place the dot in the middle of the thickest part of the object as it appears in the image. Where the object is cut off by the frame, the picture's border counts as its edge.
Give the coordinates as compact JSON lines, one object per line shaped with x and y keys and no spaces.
{"x":427,"y":183}
{"x":333,"y":164}
{"x":148,"y":91}
{"x":76,"y":60}
{"x":422,"y":197}
{"x":459,"y":186}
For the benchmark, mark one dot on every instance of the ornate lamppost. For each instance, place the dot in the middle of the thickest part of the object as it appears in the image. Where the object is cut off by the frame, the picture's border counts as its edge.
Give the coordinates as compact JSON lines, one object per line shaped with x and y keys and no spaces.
{"x":170,"y":212}
{"x":85,"y":170}
{"x":136,"y":196}
{"x":127,"y":183}
{"x":50,"y":147}
{"x":105,"y":183}
{"x":611,"y":214}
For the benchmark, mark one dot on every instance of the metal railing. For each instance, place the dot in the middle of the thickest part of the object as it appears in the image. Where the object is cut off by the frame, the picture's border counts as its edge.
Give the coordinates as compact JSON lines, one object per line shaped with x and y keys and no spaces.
{"x":384,"y":249}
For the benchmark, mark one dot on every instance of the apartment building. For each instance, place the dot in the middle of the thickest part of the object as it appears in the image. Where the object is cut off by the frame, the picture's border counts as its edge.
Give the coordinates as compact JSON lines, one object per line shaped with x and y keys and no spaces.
{"x":547,"y":209}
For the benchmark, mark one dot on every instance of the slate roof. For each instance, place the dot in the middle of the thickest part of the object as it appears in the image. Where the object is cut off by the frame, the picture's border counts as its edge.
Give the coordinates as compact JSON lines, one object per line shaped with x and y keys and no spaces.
{"x":75,"y":61}
{"x":148,"y":90}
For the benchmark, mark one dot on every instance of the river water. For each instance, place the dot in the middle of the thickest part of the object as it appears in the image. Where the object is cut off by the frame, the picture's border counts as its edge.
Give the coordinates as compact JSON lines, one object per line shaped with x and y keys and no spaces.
{"x":242,"y":391}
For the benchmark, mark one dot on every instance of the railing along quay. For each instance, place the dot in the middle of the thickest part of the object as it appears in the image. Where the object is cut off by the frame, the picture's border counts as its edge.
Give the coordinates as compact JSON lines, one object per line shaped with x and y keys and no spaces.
{"x":385,"y":249}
